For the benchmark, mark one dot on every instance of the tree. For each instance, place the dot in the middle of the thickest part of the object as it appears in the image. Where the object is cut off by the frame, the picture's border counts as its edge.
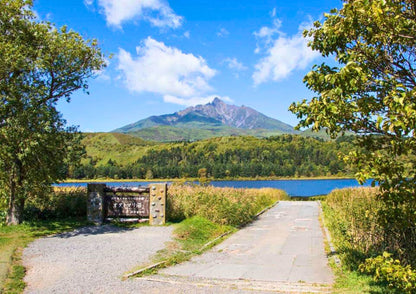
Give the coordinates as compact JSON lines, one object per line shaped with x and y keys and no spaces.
{"x":371,"y":92}
{"x":39,"y":65}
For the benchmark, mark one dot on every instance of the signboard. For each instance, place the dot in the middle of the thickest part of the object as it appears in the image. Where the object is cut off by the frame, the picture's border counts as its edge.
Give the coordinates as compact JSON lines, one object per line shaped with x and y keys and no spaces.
{"x":119,"y":206}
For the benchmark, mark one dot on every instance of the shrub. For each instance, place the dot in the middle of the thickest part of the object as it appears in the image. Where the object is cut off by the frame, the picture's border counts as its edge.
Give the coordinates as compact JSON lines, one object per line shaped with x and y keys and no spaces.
{"x":390,"y":271}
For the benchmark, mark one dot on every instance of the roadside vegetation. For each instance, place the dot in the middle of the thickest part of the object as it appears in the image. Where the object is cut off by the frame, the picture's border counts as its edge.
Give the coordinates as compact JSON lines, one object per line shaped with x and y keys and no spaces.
{"x":371,"y":260}
{"x":224,"y":206}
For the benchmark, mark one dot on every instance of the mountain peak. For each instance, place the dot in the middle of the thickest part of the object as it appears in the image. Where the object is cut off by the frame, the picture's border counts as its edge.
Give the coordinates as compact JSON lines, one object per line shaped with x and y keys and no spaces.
{"x":213,"y":115}
{"x":217,"y":101}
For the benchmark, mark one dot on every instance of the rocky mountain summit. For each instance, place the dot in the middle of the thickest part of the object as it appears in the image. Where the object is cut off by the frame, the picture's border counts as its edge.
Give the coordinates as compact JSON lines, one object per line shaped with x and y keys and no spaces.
{"x":215,"y":114}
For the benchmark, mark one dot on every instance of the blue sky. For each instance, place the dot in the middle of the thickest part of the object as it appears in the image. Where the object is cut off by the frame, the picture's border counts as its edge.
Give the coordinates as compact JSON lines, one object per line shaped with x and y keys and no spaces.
{"x":167,"y":55}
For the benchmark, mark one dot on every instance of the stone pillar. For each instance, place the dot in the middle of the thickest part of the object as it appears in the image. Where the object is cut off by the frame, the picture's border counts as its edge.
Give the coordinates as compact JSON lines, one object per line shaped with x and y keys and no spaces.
{"x":95,"y":204}
{"x":158,"y":204}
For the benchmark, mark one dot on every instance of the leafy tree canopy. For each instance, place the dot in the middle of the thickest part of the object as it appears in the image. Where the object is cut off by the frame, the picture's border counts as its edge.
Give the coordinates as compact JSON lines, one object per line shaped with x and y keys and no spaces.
{"x":371,"y":91}
{"x":39,"y":65}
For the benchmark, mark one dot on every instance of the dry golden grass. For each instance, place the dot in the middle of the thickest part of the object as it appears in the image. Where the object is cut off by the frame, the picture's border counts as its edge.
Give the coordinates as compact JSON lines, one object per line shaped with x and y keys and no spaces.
{"x":227,"y":206}
{"x":356,"y":212}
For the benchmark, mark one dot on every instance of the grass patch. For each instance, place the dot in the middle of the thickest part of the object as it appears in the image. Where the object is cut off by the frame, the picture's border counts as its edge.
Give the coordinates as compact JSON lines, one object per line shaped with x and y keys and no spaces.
{"x":12,"y":241}
{"x":192,"y":236}
{"x":195,"y":232}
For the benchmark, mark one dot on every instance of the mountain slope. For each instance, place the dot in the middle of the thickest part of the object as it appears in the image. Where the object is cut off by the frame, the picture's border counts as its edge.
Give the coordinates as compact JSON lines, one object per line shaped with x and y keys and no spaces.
{"x":214,"y":115}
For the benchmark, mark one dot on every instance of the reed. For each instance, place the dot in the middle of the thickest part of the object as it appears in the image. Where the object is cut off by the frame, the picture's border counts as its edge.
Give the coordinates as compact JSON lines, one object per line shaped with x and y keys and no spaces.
{"x":58,"y":203}
{"x":227,"y":206}
{"x":355,"y":212}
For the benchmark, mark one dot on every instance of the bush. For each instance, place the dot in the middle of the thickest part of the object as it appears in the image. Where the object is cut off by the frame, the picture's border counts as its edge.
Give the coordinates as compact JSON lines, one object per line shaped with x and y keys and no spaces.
{"x":225,"y":206}
{"x":390,"y":271}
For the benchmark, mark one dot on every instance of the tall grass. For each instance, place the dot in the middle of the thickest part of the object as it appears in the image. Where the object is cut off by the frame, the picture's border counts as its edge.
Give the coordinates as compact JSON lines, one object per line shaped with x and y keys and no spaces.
{"x":352,"y":216}
{"x":58,"y":203}
{"x":355,"y":219}
{"x":227,"y":206}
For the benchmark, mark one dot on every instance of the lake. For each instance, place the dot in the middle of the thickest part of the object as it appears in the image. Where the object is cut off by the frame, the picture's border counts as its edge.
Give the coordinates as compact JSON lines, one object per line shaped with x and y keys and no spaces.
{"x":303,"y":188}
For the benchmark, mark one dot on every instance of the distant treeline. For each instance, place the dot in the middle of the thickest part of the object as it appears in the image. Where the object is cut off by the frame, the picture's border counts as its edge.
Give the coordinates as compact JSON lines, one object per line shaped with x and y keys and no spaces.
{"x":280,"y":156}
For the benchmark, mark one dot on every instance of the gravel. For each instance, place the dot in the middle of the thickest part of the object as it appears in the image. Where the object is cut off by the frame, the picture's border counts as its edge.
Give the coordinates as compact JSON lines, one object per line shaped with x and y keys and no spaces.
{"x":91,"y":259}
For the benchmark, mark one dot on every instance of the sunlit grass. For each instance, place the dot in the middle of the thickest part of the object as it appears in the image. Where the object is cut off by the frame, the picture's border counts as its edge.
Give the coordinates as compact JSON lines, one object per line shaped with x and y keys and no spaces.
{"x":226,"y":206}
{"x":350,"y":215}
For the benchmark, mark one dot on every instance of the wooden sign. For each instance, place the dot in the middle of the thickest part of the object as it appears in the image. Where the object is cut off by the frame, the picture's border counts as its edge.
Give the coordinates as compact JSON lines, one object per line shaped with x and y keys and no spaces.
{"x":127,"y":202}
{"x":119,"y":206}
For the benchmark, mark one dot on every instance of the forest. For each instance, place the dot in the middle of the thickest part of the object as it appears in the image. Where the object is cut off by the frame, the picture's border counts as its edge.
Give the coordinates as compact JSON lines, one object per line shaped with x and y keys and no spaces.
{"x":219,"y":158}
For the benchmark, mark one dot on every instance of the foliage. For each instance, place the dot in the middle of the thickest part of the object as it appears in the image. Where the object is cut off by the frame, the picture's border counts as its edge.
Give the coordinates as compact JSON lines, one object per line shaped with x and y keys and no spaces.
{"x":40,"y":64}
{"x":220,"y":205}
{"x":194,"y":133}
{"x":281,"y":156}
{"x":372,"y":92}
{"x":57,"y":203}
{"x":355,"y":224}
{"x":386,"y":269}
{"x":352,"y":215}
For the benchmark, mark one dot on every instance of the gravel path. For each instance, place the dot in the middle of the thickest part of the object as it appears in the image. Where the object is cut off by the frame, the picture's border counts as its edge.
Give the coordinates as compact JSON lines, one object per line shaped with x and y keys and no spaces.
{"x":89,"y":260}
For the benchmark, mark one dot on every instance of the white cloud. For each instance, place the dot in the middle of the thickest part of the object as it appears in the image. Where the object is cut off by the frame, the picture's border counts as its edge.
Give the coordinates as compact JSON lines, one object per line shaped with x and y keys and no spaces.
{"x":157,"y":12}
{"x":165,"y":70}
{"x":187,"y":34}
{"x":283,"y":55}
{"x":235,"y":65}
{"x":194,"y":100}
{"x":265,"y":35}
{"x":273,"y":13}
{"x":222,"y":33}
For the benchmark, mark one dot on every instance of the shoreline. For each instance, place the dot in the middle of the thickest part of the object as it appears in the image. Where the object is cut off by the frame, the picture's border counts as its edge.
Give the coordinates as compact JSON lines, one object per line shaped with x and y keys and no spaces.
{"x":109,"y":180}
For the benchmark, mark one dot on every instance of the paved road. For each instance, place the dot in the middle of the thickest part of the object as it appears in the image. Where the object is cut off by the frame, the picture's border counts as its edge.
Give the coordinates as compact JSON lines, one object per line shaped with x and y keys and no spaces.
{"x":283,"y":250}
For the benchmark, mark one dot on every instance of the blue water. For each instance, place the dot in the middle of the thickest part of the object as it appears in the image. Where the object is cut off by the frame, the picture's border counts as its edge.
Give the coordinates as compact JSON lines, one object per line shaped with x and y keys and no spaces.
{"x":303,"y":188}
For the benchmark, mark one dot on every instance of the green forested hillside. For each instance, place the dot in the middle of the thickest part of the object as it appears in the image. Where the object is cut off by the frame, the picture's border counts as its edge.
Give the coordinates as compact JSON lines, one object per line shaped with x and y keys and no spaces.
{"x":184,"y":132}
{"x":122,"y":156}
{"x":123,"y":149}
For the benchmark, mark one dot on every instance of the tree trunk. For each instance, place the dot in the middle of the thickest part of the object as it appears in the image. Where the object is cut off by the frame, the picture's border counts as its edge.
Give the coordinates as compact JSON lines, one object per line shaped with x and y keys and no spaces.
{"x":16,"y":206}
{"x":14,"y":215}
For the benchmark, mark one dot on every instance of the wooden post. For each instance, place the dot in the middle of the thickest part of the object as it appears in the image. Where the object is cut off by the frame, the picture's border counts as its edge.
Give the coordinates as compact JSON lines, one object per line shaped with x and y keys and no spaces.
{"x":157,"y":204}
{"x":95,"y":205}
